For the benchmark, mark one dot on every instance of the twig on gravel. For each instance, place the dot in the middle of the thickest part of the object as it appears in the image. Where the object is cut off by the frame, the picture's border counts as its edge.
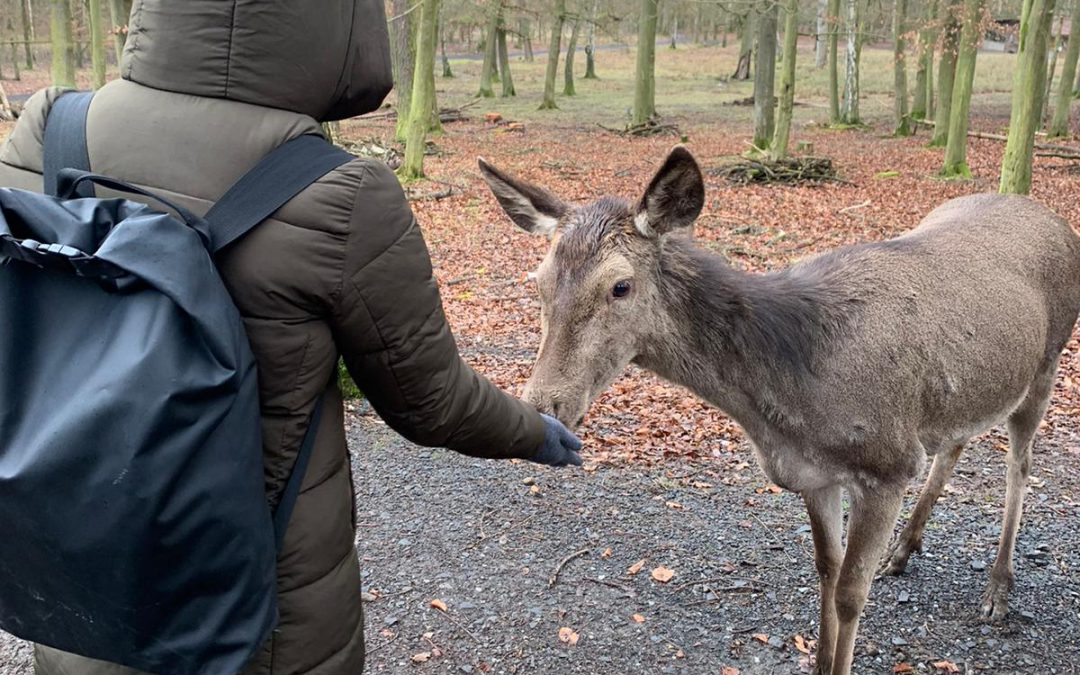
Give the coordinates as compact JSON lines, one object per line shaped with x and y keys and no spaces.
{"x":772,"y":534}
{"x":562,"y":563}
{"x":629,"y":592}
{"x":855,"y":207}
{"x":457,"y":624}
{"x":378,"y":647}
{"x":716,"y":591}
{"x":713,"y":580}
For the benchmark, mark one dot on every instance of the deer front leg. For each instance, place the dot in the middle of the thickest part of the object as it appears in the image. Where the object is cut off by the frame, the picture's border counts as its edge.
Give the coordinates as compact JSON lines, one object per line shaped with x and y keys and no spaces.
{"x":910,"y":540}
{"x":826,"y":521}
{"x":873,"y":515}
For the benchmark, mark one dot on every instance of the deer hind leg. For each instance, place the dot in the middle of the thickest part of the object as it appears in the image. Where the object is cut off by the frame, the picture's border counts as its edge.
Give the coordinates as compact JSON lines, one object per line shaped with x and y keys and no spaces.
{"x":910,"y":540}
{"x":1022,"y":425}
{"x":873,"y":515}
{"x":826,"y":524}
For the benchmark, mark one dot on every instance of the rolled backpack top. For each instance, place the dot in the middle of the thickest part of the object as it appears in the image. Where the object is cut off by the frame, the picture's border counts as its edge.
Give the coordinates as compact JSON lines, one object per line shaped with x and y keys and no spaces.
{"x":134,"y":523}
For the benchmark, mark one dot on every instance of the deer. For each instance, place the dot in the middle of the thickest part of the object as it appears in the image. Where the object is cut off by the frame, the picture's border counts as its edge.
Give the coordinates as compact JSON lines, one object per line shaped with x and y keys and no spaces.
{"x":846,"y":370}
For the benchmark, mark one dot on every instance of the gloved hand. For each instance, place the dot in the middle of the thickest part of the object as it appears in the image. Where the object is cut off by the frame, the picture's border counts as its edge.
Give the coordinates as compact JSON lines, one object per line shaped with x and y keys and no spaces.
{"x":560,"y":447}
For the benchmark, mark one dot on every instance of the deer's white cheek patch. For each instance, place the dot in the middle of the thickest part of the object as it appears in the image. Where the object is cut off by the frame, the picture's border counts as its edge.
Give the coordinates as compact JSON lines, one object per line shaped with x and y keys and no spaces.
{"x":641,"y":222}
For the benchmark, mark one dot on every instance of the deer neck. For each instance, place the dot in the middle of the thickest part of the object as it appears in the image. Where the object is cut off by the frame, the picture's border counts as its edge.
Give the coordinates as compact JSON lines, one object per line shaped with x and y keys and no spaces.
{"x":746,"y":343}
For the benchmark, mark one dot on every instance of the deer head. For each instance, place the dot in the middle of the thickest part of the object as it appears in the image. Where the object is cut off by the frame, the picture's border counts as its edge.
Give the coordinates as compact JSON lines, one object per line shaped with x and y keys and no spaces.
{"x":600,"y":285}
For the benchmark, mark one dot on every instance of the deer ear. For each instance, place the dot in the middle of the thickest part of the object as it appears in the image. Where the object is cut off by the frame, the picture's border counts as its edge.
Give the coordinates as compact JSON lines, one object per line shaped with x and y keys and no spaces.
{"x":674,"y":198}
{"x":532,"y":208}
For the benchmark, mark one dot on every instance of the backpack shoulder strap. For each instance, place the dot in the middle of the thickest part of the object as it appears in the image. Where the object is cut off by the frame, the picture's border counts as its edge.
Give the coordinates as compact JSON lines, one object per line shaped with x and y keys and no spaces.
{"x":65,"y":140}
{"x":275,"y":180}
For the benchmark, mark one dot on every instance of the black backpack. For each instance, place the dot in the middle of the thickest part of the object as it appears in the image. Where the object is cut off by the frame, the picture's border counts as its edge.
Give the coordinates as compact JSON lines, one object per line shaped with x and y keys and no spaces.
{"x":134,"y":523}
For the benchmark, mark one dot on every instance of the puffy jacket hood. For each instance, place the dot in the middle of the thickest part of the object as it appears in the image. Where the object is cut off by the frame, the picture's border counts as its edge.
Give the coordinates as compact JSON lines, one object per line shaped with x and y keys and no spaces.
{"x":329,"y":59}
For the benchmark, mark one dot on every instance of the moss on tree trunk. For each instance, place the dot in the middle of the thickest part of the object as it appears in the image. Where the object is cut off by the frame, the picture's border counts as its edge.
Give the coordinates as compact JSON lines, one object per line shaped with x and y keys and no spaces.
{"x":765,"y":77}
{"x":956,"y":149}
{"x":779,"y":149}
{"x":97,"y":45}
{"x":900,"y":105}
{"x":645,"y":73}
{"x":504,"y":66}
{"x":63,"y":64}
{"x":568,"y":70}
{"x":1059,"y":125}
{"x":553,"y":57}
{"x":491,"y":37}
{"x":1028,"y":82}
{"x":832,"y":17}
{"x":849,"y":112}
{"x":423,"y":93}
{"x":946,"y":72}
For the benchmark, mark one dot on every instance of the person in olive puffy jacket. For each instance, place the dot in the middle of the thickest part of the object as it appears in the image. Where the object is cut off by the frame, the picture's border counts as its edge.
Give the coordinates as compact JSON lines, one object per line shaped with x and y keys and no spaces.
{"x":208,"y":88}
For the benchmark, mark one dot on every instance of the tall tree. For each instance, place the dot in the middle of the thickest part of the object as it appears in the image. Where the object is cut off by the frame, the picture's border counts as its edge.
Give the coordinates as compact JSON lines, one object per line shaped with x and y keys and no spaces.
{"x":765,"y":76}
{"x":571,"y":49}
{"x":28,"y":31}
{"x":849,"y":112}
{"x":446,"y":71}
{"x":956,"y":165}
{"x":526,"y":40}
{"x":63,"y":64}
{"x":504,"y":66}
{"x":553,"y":57}
{"x":779,"y":148}
{"x":118,"y":12}
{"x":832,"y":16}
{"x":590,"y":46}
{"x":1059,"y":125}
{"x":645,"y":76}
{"x":403,"y":59}
{"x":900,"y":106}
{"x":423,"y":93}
{"x":950,"y":40}
{"x":491,"y":37}
{"x":97,"y":44}
{"x":921,"y":102}
{"x":821,"y":42}
{"x":1028,"y":81}
{"x":746,"y":45}
{"x":1052,"y":65}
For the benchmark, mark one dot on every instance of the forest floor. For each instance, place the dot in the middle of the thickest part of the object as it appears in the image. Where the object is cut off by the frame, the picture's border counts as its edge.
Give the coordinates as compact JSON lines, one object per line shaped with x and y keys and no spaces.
{"x":668,"y":479}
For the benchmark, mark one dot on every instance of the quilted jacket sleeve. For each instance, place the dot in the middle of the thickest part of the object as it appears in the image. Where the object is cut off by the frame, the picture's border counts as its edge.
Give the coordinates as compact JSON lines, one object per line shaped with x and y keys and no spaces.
{"x":391,"y":330}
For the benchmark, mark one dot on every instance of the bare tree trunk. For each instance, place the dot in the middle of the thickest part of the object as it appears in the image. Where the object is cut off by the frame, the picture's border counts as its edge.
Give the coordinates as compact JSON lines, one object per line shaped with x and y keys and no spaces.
{"x":403,"y":59}
{"x":97,"y":44}
{"x":900,"y":107}
{"x":645,"y":76}
{"x":1028,"y":82}
{"x":6,"y":113}
{"x":779,"y":148}
{"x":446,"y":71}
{"x":746,"y":46}
{"x":821,"y":43}
{"x":553,"y":57}
{"x":765,"y":76}
{"x":63,"y":66}
{"x":946,"y":72}
{"x":423,"y":94}
{"x":119,"y":15}
{"x":490,"y":49}
{"x":849,"y":113}
{"x":832,"y":17}
{"x":568,"y":70}
{"x":924,"y":73}
{"x":590,"y":60}
{"x":504,"y":66}
{"x":1052,"y":67}
{"x":526,"y":39}
{"x":956,"y":165}
{"x":28,"y":31}
{"x":1059,"y":126}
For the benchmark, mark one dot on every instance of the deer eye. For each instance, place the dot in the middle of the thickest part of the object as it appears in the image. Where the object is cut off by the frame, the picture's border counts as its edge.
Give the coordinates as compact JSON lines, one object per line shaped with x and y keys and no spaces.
{"x":621,"y":289}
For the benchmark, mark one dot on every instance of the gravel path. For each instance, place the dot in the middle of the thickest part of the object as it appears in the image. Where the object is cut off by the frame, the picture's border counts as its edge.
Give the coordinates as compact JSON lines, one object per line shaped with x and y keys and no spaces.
{"x":485,"y":538}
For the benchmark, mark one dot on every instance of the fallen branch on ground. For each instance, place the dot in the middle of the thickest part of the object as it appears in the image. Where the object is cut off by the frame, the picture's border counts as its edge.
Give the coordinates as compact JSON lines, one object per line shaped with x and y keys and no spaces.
{"x":558,"y":568}
{"x":790,"y":170}
{"x":652,"y":127}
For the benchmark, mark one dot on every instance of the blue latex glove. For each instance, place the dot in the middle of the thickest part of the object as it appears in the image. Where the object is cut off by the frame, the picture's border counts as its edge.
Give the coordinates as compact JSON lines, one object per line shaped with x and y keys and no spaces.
{"x":560,"y":447}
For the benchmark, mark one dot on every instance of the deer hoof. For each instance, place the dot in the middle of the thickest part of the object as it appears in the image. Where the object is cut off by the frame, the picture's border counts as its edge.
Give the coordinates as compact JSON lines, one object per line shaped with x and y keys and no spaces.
{"x":995,"y":604}
{"x":895,"y":561}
